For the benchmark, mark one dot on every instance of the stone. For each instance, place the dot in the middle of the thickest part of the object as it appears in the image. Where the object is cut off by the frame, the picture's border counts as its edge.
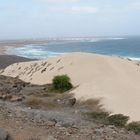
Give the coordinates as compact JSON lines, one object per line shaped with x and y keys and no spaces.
{"x":52,"y":123}
{"x":72,"y":101}
{"x":16,"y":98}
{"x":8,"y":97}
{"x":4,"y":97}
{"x":3,"y":134}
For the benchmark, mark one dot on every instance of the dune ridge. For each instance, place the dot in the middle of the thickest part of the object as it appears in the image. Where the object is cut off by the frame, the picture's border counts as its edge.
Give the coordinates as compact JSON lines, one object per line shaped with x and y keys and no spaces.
{"x":112,"y":79}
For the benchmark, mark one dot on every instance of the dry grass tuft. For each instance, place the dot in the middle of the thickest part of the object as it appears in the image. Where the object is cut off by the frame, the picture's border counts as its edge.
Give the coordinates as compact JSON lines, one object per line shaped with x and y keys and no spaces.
{"x":37,"y":103}
{"x":91,"y":104}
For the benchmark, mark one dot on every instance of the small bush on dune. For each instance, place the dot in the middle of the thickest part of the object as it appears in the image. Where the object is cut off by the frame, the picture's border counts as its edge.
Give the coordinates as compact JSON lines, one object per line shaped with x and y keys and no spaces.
{"x":61,"y":83}
{"x":118,"y":120}
{"x":134,"y":126}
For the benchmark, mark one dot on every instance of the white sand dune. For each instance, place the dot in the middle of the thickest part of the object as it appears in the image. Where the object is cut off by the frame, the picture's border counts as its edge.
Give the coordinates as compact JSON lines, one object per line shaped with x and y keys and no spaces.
{"x":115,"y":80}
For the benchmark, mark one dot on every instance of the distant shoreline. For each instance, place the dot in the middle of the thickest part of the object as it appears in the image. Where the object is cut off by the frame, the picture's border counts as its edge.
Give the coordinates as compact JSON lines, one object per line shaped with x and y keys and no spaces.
{"x":44,"y":49}
{"x":5,"y":45}
{"x":8,"y":59}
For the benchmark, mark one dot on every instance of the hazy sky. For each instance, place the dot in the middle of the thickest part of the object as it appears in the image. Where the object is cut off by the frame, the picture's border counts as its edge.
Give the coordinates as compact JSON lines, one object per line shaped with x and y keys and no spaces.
{"x":58,"y":18}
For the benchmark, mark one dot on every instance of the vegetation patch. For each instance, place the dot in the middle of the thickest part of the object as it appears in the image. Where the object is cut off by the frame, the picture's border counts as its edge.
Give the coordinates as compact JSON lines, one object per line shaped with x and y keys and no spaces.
{"x":61,"y":84}
{"x":98,"y":116}
{"x":118,"y":120}
{"x":93,"y":105}
{"x":134,"y":126}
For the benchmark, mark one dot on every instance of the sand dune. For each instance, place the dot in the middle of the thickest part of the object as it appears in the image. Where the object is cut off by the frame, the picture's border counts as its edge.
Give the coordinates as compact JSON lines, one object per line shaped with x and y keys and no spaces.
{"x":115,"y":80}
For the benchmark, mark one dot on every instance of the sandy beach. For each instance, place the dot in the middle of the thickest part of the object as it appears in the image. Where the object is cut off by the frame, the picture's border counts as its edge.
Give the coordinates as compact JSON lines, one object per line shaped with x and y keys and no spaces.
{"x":112,"y":79}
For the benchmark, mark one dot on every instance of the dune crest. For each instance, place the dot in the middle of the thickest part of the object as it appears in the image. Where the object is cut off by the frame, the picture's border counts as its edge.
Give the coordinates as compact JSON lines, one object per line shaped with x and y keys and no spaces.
{"x":115,"y":80}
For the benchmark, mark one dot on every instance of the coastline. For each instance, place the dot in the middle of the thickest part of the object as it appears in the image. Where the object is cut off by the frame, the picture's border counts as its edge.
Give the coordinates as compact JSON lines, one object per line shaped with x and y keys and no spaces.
{"x":3,"y":49}
{"x":8,"y":59}
{"x":7,"y":44}
{"x":44,"y":49}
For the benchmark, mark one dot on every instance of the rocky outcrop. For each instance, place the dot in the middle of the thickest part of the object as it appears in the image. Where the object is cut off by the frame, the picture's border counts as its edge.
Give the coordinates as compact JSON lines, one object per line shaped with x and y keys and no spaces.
{"x":10,"y":85}
{"x":14,"y":89}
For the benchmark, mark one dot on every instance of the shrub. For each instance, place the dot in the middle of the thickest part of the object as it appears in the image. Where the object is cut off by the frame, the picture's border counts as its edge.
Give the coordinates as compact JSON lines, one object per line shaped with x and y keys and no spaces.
{"x":61,"y":83}
{"x":93,"y":105}
{"x":134,"y":126}
{"x":118,"y":120}
{"x":98,"y":115}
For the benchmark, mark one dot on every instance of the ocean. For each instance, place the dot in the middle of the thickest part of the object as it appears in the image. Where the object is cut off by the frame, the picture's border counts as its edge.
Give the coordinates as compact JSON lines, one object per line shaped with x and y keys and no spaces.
{"x":128,"y":47}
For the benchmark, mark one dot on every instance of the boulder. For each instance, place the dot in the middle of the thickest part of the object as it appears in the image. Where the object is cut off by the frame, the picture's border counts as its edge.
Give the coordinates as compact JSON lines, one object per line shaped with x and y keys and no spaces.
{"x":68,"y":102}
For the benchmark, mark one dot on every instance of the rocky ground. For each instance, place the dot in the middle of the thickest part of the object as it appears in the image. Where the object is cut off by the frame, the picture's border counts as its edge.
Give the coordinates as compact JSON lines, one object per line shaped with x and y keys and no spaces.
{"x":31,"y":112}
{"x":6,"y":60}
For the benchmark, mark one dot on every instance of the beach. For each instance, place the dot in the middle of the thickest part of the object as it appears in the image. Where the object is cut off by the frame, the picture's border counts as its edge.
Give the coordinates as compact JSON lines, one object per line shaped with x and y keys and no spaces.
{"x":113,"y":80}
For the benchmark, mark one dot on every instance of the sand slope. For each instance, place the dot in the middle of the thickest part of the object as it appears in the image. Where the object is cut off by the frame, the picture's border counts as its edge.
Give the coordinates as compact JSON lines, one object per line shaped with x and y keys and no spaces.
{"x":115,"y":80}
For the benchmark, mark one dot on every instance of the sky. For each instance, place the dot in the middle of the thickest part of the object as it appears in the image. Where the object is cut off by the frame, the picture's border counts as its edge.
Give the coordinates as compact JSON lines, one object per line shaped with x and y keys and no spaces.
{"x":21,"y":19}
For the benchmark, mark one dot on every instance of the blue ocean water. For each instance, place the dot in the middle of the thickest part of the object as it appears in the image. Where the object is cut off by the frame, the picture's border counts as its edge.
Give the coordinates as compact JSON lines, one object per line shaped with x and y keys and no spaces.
{"x":125,"y":47}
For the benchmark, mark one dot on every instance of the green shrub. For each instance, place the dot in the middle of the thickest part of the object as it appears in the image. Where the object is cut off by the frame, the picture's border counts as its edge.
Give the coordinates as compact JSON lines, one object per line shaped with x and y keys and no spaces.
{"x":118,"y":120}
{"x":61,"y":83}
{"x":134,"y":126}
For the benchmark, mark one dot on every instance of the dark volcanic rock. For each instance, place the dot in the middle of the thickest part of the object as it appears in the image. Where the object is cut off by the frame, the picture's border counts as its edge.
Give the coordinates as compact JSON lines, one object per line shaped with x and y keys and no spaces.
{"x":14,"y":89}
{"x":6,"y":60}
{"x":9,"y":85}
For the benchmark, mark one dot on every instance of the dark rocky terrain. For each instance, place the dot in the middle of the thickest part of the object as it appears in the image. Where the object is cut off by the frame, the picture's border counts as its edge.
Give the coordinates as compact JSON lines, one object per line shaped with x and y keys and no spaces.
{"x":6,"y":60}
{"x":31,"y":112}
